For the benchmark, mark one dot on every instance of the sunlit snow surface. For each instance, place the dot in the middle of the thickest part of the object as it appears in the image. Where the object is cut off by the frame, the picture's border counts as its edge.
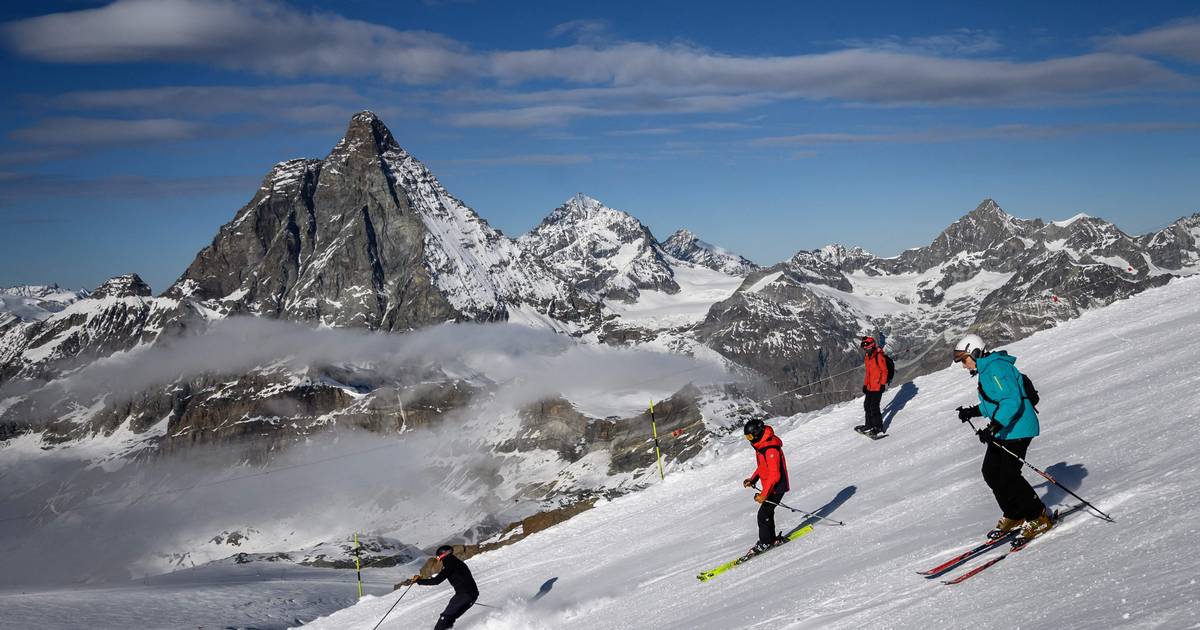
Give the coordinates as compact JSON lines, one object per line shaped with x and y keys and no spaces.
{"x":699,"y":289}
{"x":1119,"y":408}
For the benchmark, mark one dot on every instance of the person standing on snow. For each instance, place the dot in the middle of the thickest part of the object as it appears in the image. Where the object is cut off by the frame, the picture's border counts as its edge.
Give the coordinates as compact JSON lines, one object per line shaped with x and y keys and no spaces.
{"x":465,"y":590}
{"x":880,"y":370}
{"x":1013,"y":423}
{"x":772,"y":472}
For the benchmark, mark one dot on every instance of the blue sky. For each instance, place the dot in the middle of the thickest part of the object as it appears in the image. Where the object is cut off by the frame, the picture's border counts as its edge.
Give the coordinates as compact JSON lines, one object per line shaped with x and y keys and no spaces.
{"x":132,"y":130}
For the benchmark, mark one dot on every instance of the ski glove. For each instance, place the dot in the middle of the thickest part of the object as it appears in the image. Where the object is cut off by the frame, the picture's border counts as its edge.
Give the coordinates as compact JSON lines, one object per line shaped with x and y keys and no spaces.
{"x":988,"y":433}
{"x":758,"y":497}
{"x":747,"y":483}
{"x":864,"y":389}
{"x":966,"y":413}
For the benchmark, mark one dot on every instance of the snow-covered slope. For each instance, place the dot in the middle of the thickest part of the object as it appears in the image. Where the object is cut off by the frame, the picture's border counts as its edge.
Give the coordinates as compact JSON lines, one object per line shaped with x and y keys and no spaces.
{"x":1119,"y":408}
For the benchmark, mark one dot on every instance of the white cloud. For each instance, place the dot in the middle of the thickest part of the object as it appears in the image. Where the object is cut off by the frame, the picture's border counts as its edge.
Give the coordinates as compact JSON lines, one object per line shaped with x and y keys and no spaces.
{"x":257,"y":35}
{"x":540,"y":159}
{"x":591,"y":78}
{"x":649,"y":131}
{"x":298,"y":101}
{"x":1180,"y":40}
{"x":958,"y":134}
{"x":962,"y":41}
{"x":73,"y":131}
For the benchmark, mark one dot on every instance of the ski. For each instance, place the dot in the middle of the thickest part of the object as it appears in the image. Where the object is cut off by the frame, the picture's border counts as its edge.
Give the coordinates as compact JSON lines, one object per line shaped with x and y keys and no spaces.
{"x":705,"y":576}
{"x":958,"y":560}
{"x":1016,"y":545}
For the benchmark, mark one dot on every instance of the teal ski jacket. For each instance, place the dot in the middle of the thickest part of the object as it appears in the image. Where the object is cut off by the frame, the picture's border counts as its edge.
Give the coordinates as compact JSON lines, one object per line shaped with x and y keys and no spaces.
{"x":1002,"y":397}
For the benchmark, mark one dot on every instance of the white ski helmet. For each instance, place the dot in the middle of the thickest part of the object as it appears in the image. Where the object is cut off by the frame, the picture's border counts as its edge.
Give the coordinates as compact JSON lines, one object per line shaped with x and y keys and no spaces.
{"x":970,"y":345}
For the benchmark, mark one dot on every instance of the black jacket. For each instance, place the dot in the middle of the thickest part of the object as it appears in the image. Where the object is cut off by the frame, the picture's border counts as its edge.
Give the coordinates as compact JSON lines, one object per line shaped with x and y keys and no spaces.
{"x":459,"y":575}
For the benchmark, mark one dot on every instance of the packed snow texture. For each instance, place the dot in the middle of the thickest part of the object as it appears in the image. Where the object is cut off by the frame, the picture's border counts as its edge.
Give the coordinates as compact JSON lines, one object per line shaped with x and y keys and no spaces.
{"x":1118,"y":410}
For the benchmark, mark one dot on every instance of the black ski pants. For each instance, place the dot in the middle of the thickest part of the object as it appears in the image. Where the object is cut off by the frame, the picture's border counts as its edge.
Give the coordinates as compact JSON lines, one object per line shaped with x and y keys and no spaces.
{"x":871,"y":407}
{"x":766,"y":517}
{"x":1002,"y":472}
{"x":455,"y":609}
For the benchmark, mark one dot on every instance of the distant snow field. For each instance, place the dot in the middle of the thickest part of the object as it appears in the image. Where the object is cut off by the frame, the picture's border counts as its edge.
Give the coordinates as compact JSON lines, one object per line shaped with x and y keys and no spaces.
{"x":699,"y":288}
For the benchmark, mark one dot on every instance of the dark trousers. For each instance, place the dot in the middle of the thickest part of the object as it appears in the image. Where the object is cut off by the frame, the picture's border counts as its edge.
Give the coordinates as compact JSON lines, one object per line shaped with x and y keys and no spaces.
{"x":455,"y":609}
{"x":871,"y":406}
{"x":766,"y":517}
{"x":1002,"y":472}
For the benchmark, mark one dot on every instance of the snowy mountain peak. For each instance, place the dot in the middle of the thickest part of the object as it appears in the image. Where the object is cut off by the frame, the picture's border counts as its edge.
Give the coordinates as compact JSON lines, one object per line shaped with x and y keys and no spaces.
{"x":127,"y":285}
{"x":604,"y":251}
{"x":1067,"y":222}
{"x":686,"y":246}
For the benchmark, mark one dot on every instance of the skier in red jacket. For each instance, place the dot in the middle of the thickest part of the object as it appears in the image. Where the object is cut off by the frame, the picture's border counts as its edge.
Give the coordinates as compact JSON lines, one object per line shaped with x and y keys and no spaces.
{"x":772,"y":472}
{"x":879,"y":373}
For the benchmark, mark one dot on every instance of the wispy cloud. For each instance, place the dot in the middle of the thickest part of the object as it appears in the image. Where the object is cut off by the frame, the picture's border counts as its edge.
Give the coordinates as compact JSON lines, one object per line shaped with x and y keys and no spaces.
{"x":74,"y":131}
{"x":540,"y":159}
{"x":959,"y":42}
{"x":723,"y":126}
{"x":1179,"y":40}
{"x":598,"y":76}
{"x":586,"y":31}
{"x":959,"y":134}
{"x":258,"y":35}
{"x":301,"y":102}
{"x":16,"y":185}
{"x":649,"y":131}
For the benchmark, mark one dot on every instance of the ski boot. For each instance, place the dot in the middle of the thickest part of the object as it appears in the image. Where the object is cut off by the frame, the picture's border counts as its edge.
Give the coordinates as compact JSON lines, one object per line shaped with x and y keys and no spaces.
{"x":1035,"y":528}
{"x":863,"y":429}
{"x":759,"y":547}
{"x":1004,"y":527}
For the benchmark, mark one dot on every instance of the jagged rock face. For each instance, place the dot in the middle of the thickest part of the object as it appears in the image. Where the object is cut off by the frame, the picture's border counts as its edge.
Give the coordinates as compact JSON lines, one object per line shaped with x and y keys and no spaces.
{"x":987,"y":228}
{"x":128,"y":285}
{"x":686,"y":246}
{"x":1177,"y":246}
{"x":603,"y":251}
{"x":369,"y":238}
{"x":779,"y":327}
{"x":555,"y":425}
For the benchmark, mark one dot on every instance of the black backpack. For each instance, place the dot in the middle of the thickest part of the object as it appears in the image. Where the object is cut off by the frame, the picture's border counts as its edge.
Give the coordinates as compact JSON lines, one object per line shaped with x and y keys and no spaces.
{"x":891,"y":369}
{"x":1031,"y":392}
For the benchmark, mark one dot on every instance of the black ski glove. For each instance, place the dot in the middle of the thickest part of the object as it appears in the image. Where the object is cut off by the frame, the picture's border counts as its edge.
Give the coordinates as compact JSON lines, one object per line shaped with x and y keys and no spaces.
{"x":988,"y":433}
{"x":966,"y":413}
{"x":864,"y":389}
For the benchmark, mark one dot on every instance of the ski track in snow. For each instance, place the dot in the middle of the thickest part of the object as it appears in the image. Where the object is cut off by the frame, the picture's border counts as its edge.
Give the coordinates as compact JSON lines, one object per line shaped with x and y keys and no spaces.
{"x":1123,"y":411}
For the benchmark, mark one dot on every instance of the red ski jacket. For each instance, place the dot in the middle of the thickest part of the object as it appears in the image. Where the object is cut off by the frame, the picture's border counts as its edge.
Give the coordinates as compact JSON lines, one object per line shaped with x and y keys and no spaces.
{"x":772,"y":467}
{"x":877,"y":371}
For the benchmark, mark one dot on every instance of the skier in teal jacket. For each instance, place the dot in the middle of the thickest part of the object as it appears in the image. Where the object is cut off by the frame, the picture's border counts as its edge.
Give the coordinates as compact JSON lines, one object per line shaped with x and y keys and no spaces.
{"x":1002,"y":397}
{"x":1012,"y":425}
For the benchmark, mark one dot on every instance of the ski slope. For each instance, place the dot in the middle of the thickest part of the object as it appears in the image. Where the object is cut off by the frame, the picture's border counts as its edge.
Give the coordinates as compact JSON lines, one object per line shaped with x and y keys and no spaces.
{"x":1120,"y":390}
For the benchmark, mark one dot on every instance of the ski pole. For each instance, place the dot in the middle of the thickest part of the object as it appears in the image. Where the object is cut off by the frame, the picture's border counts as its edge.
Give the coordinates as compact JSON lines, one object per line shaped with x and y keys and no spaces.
{"x":358,"y":563}
{"x":788,"y":507}
{"x":393,"y":606}
{"x":657,"y":450}
{"x":1047,"y":476}
{"x":488,"y":606}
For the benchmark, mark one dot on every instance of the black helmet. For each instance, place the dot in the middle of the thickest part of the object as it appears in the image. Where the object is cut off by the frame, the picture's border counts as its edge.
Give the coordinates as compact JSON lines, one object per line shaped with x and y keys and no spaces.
{"x":754,"y":428}
{"x":444,"y":551}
